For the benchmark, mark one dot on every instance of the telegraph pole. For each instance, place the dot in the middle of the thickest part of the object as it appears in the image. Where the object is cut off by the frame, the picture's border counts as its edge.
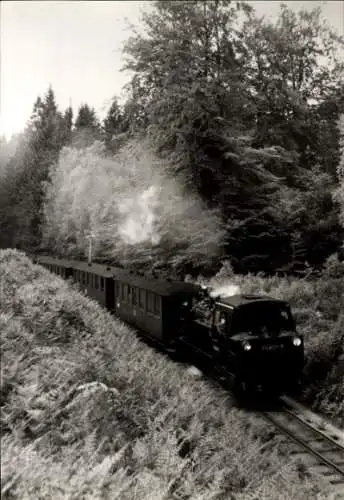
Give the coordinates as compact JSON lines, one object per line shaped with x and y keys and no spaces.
{"x":90,"y":248}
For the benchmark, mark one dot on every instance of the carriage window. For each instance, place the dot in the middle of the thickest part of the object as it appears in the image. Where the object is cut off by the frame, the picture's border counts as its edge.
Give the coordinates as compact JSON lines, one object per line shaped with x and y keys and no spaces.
{"x":87,"y":279}
{"x":96,"y":282}
{"x":134,"y":296}
{"x":84,"y":278}
{"x":102,"y":284}
{"x":117,"y":289}
{"x":150,"y":302}
{"x":142,"y":298}
{"x":125,"y":293}
{"x":157,"y":305}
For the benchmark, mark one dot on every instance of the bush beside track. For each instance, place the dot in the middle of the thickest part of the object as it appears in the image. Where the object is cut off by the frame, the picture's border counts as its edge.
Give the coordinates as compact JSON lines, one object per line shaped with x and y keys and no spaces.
{"x":88,"y":411}
{"x":318,"y":307}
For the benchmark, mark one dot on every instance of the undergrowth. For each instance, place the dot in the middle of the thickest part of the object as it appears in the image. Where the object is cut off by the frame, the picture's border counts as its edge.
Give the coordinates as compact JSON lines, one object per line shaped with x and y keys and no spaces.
{"x":88,"y":411}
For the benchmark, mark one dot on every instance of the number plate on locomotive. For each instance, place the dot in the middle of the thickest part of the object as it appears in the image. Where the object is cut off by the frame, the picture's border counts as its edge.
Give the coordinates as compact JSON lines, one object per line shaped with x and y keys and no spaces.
{"x":272,"y":347}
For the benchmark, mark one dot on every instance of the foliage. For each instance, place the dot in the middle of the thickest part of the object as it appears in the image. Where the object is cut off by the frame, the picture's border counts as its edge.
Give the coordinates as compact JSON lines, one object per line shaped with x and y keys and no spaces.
{"x":114,"y":127}
{"x":89,"y":411}
{"x":339,"y":193}
{"x":86,"y":128}
{"x":132,"y":205}
{"x":86,"y":118}
{"x":294,"y":70}
{"x":25,"y":170}
{"x":244,"y":106}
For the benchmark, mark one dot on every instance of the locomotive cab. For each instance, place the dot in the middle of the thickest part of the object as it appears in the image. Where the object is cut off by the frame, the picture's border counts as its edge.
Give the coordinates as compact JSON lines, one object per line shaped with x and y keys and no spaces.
{"x":255,"y":338}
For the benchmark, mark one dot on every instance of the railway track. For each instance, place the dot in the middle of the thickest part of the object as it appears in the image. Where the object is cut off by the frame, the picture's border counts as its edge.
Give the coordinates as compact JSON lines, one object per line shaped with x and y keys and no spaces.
{"x":319,"y":444}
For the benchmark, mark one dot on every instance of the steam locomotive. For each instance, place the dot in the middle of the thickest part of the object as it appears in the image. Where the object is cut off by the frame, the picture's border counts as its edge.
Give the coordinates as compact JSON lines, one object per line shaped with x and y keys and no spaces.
{"x":252,"y":339}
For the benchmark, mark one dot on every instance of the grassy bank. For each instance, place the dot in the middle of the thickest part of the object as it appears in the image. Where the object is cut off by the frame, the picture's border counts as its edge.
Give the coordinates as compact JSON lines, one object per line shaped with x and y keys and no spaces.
{"x":90,"y":412}
{"x":318,"y":307}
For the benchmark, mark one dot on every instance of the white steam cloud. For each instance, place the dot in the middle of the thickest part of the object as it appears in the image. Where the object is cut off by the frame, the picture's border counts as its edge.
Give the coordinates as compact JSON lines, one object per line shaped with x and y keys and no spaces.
{"x":139,"y":218}
{"x":225,"y":291}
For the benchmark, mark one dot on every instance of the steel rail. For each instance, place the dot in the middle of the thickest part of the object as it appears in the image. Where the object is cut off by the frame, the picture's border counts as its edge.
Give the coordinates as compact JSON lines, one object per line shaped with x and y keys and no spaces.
{"x":338,"y":469}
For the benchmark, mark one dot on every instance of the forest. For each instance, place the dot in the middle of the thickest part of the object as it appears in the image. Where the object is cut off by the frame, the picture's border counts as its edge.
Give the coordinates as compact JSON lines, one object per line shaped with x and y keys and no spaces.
{"x":229,"y":146}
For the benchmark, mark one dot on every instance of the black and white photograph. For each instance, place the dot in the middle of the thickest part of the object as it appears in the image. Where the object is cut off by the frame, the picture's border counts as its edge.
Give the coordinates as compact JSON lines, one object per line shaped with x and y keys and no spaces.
{"x":172,"y":250}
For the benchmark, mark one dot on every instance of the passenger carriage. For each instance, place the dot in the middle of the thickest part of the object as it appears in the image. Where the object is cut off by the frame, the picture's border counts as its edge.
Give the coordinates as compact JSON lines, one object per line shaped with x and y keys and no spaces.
{"x":96,"y":281}
{"x":153,"y":306}
{"x":61,"y":267}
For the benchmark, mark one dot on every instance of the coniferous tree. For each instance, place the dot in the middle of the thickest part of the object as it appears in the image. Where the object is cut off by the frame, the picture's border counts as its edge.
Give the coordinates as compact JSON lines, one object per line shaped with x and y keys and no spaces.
{"x":66,"y":124}
{"x":86,"y":118}
{"x":113,"y":121}
{"x":115,"y":127}
{"x":26,"y":172}
{"x":86,"y":127}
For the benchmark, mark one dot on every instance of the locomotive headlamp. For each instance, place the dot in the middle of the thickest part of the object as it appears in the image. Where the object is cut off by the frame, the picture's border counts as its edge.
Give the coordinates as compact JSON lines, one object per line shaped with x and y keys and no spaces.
{"x":247,"y":346}
{"x":297,"y":341}
{"x":185,"y":303}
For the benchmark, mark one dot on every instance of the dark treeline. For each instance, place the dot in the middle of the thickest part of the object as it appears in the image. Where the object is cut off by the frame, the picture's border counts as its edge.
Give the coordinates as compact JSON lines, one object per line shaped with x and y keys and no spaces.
{"x":246,"y":109}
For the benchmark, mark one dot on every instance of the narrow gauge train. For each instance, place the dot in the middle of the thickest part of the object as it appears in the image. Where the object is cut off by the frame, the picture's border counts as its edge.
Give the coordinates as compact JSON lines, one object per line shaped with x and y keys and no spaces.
{"x":250,"y":338}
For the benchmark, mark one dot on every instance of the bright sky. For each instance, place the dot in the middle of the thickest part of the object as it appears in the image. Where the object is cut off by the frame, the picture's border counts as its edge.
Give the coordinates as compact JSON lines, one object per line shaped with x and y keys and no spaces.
{"x":76,"y":47}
